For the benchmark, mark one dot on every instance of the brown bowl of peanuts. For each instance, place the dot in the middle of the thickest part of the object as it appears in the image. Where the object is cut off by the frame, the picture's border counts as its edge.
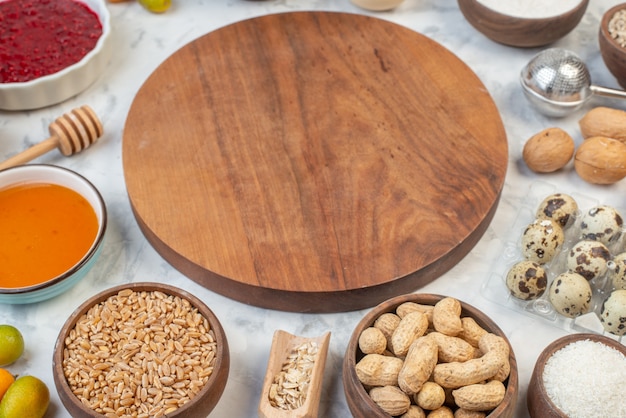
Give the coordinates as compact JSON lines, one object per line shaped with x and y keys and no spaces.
{"x":422,"y":354}
{"x":141,"y":349}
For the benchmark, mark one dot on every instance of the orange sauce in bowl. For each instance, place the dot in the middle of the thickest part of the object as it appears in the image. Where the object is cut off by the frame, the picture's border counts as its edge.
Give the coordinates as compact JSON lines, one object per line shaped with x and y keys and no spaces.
{"x":45,"y":229}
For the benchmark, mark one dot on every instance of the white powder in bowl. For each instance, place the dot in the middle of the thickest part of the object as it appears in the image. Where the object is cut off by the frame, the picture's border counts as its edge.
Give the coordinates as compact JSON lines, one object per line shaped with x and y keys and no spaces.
{"x":530,"y":8}
{"x":585,"y":379}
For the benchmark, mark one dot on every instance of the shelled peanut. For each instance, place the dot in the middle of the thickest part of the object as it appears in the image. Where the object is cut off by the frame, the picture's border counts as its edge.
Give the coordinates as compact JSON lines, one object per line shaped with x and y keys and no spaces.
{"x":435,"y":362}
{"x":599,"y":159}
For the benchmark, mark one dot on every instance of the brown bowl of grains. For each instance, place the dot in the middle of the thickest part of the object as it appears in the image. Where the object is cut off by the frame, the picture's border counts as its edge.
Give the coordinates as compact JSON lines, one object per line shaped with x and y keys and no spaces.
{"x":579,"y":376}
{"x":141,"y":349}
{"x":429,"y":355}
{"x":612,"y":42}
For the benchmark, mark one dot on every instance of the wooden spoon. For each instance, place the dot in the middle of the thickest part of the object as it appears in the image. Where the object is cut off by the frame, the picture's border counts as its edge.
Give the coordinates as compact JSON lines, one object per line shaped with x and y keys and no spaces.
{"x":284,"y":345}
{"x":71,"y":132}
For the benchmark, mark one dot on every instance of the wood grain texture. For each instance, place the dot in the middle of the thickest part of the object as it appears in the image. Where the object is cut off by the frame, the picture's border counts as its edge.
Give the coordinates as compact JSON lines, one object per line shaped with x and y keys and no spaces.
{"x":358,"y":399}
{"x":313,"y":161}
{"x":517,"y":31}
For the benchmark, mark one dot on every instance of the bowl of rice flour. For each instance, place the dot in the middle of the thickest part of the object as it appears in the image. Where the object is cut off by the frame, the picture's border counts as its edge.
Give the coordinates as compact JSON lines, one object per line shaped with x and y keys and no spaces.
{"x":579,"y":376}
{"x":524,"y":23}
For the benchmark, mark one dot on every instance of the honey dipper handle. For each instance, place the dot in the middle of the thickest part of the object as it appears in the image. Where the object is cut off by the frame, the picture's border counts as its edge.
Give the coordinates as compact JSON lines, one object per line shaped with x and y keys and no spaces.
{"x":31,"y":153}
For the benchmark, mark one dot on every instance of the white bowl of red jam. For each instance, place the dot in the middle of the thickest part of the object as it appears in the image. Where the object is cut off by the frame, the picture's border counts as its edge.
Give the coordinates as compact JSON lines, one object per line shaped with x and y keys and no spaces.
{"x":44,"y":60}
{"x":52,"y":223}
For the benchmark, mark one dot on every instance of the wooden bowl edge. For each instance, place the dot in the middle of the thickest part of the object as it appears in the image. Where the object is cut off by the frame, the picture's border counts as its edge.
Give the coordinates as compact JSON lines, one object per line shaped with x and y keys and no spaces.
{"x":521,"y":32}
{"x":217,"y":380}
{"x":356,"y":390}
{"x":536,"y":398}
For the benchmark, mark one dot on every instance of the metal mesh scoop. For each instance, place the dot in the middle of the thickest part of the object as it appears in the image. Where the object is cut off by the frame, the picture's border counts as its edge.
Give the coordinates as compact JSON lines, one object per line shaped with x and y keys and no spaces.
{"x":558,"y":82}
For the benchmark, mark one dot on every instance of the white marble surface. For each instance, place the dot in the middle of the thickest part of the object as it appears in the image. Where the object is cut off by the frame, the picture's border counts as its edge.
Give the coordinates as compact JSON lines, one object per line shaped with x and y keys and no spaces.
{"x":141,"y":42}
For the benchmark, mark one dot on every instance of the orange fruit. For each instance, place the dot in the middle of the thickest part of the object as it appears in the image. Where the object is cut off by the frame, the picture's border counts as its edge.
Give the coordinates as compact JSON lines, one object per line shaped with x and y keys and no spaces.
{"x":11,"y":344}
{"x":27,"y":397}
{"x":6,"y":379}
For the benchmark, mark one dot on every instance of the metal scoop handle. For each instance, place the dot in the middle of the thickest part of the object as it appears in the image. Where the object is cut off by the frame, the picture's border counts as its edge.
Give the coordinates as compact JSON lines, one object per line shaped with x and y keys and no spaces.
{"x":608,"y":92}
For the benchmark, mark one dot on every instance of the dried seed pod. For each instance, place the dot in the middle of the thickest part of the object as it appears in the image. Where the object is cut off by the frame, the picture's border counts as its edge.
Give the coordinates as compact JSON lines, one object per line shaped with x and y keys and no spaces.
{"x":480,"y":397}
{"x":418,"y":365}
{"x":411,"y":327}
{"x":601,"y":160}
{"x":447,"y":316}
{"x":372,"y":341}
{"x":414,"y":412}
{"x":472,"y":332}
{"x":549,"y":150}
{"x":391,"y":399}
{"x":387,"y":323}
{"x":378,"y":370}
{"x":452,"y":348}
{"x":407,"y":307}
{"x":430,"y":397}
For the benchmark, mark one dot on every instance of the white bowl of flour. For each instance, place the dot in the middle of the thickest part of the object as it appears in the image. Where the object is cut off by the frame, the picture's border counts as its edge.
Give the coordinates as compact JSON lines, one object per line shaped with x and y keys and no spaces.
{"x":524,"y":23}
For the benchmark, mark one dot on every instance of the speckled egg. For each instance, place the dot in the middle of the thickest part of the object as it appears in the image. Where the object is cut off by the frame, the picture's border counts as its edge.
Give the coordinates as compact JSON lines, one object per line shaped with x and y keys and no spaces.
{"x":617,"y":271}
{"x":601,"y":223}
{"x":570,"y":294}
{"x":542,"y":240}
{"x":613,"y":313}
{"x":559,"y":207}
{"x":589,"y":259}
{"x":527,"y":280}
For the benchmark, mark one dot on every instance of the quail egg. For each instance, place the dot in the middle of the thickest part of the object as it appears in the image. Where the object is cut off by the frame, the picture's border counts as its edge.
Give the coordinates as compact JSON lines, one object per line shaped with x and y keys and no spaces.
{"x":527,"y":280}
{"x":559,"y":207}
{"x":589,"y":259}
{"x":613,"y":313}
{"x":601,"y":223}
{"x":617,"y":271}
{"x":542,"y":240}
{"x":570,"y":294}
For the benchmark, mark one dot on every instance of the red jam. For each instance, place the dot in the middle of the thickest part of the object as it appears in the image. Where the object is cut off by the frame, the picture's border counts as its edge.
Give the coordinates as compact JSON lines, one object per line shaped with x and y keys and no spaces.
{"x":42,"y":37}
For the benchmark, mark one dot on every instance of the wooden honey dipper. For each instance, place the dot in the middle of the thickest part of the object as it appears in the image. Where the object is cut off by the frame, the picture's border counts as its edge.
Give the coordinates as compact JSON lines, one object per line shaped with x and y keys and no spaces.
{"x":71,"y":133}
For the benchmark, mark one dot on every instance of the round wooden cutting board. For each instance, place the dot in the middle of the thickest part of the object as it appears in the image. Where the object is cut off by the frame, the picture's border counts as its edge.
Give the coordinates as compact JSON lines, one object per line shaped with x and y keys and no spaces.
{"x":313,"y":161}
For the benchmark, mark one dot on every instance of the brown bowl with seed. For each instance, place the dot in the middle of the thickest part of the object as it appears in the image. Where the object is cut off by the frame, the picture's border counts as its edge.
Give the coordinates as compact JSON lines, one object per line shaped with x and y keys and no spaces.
{"x":412,"y":354}
{"x":566,"y":375}
{"x":612,"y":42}
{"x":141,"y":348}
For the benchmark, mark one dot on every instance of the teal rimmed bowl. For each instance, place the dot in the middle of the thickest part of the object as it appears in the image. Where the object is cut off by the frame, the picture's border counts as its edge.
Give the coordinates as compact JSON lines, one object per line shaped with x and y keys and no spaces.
{"x":49,"y":174}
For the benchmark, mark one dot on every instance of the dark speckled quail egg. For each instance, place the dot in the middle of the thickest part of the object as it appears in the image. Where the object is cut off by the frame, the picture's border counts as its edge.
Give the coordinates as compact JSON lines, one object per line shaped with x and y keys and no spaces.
{"x":559,"y":207}
{"x":617,"y":271}
{"x":613,"y":313}
{"x":589,"y":259}
{"x":570,"y":294}
{"x":601,"y":223}
{"x":527,"y":280}
{"x":542,"y":240}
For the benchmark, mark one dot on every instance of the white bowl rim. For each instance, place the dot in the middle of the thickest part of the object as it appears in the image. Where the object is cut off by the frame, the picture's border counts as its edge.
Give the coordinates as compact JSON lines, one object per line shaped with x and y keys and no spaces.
{"x":105,"y":21}
{"x":502,"y":15}
{"x":99,"y":208}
